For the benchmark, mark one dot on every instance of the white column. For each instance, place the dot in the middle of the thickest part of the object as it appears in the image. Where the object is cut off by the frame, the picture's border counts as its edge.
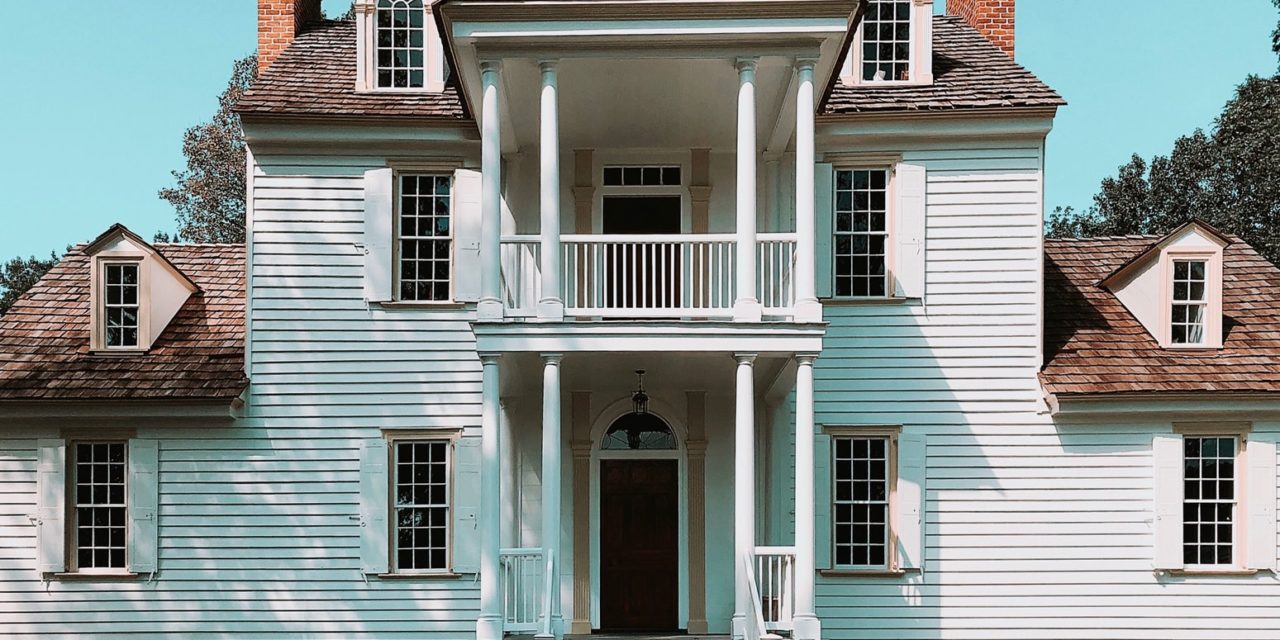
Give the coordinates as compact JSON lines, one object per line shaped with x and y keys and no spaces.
{"x":744,"y":489}
{"x":551,"y":303}
{"x":808,"y":309}
{"x":747,"y":306}
{"x":551,"y":445}
{"x":490,"y":305}
{"x":489,"y":624}
{"x":807,"y":625}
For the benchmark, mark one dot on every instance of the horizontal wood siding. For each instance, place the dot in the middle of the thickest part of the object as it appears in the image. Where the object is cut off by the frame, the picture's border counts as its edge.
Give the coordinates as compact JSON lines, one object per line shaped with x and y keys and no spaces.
{"x":1032,"y":530}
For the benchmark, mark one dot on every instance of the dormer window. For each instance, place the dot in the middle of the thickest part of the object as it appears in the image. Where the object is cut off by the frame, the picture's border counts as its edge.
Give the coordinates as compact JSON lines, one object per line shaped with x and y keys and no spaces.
{"x":893,"y":44}
{"x":120,"y":304}
{"x":398,"y":46}
{"x":1190,"y":297}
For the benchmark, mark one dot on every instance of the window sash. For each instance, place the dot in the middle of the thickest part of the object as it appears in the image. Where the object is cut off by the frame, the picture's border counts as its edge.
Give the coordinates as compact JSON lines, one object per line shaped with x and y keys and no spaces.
{"x":886,"y":42}
{"x":424,"y":263}
{"x":121,"y":305}
{"x":1189,"y":302}
{"x":850,"y":501}
{"x":860,"y":230}
{"x":99,"y":490}
{"x":436,"y":554}
{"x":1210,"y":521}
{"x":400,"y":44}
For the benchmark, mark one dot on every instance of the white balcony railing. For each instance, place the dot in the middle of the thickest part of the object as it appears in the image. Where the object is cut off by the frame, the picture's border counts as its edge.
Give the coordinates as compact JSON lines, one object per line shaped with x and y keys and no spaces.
{"x":649,"y":276}
{"x":775,"y":573}
{"x":521,"y":588}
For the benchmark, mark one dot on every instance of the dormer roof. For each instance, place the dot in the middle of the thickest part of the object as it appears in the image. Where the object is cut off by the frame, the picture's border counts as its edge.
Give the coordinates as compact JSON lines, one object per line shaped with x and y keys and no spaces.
{"x":117,"y":232}
{"x":1195,"y":225}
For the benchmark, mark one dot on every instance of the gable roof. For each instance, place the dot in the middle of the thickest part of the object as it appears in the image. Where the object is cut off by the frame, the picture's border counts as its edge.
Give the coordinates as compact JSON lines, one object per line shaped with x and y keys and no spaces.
{"x":119,"y":230}
{"x":1094,"y":346}
{"x":1161,"y":243}
{"x":44,"y":338}
{"x":969,"y":72}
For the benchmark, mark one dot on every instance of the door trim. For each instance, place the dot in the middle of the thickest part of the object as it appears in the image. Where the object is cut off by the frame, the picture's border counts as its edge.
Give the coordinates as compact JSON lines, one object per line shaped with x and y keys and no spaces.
{"x":667,"y":413}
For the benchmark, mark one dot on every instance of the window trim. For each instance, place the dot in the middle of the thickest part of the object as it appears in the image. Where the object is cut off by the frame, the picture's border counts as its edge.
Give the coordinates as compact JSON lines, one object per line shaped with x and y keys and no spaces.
{"x":97,"y":301}
{"x":890,"y":167}
{"x":892,"y":434}
{"x":1240,"y":516}
{"x":71,"y":518}
{"x":1212,"y":337}
{"x":434,"y":62}
{"x":450,"y":437}
{"x":437,"y":170}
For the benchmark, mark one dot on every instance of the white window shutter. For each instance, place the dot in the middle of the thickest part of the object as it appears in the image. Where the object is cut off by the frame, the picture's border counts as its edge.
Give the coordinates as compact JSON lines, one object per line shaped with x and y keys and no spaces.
{"x":909,"y":527}
{"x":1166,"y":451}
{"x":466,"y":225}
{"x":379,"y":234}
{"x":822,"y":501}
{"x":466,"y":505}
{"x":909,"y":230}
{"x":51,"y":491}
{"x":375,"y":537}
{"x":1260,"y":489}
{"x":144,"y":498}
{"x":824,"y":178}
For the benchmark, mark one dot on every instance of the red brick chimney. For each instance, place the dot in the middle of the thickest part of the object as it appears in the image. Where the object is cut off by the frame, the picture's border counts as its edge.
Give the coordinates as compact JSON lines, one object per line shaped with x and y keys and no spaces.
{"x":278,"y":22}
{"x":994,"y":18}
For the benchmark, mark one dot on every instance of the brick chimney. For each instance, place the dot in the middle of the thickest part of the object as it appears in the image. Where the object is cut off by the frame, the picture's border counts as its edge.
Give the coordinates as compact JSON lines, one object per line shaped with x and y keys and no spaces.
{"x":278,"y":22}
{"x":994,"y":18}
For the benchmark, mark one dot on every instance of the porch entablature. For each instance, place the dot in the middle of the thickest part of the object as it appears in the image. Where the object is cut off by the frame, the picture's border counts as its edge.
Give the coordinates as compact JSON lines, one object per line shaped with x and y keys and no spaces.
{"x":767,"y":340}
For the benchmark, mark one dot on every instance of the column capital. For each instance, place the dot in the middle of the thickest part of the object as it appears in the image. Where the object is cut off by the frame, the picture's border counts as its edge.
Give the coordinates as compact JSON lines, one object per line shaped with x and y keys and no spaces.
{"x":363,"y":7}
{"x":695,"y":448}
{"x":490,"y":64}
{"x":548,"y":64}
{"x":581,"y":449}
{"x":806,"y":63}
{"x":746,"y":63}
{"x":806,"y":358}
{"x":745,"y":358}
{"x":552,"y":358}
{"x":489,"y":357}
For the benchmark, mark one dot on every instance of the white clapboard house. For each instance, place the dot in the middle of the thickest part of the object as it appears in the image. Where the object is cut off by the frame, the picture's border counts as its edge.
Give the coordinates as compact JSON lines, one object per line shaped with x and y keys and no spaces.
{"x":875,"y":402}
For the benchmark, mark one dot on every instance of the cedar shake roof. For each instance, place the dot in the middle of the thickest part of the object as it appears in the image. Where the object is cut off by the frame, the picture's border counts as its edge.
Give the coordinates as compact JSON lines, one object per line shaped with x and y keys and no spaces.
{"x":1094,"y":346}
{"x":44,"y":338}
{"x":316,"y":76}
{"x":969,"y":72}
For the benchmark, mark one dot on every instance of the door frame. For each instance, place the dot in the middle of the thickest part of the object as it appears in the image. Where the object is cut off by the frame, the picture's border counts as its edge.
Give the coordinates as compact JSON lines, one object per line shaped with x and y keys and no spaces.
{"x":603,"y":158}
{"x":616,"y":410}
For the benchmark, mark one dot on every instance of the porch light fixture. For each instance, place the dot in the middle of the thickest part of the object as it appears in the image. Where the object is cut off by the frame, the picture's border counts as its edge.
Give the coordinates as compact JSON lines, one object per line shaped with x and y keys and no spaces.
{"x":640,"y":399}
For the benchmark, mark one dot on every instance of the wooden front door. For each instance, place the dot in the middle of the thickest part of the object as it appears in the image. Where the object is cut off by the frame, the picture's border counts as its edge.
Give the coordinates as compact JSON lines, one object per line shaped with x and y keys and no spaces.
{"x":639,"y":553}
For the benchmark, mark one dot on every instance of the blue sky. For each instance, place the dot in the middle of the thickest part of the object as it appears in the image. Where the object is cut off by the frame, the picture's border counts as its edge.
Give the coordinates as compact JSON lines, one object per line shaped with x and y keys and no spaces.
{"x":92,"y":127}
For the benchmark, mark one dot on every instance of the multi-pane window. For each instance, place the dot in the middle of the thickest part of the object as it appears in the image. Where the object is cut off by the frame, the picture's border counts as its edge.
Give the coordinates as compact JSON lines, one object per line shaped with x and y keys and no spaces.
{"x":401,"y":44}
{"x":100,"y":505}
{"x":1209,"y":502}
{"x":861,"y":233}
{"x":861,"y":500}
{"x":1190,"y":300}
{"x":426,"y":240}
{"x":120,"y":304}
{"x":655,"y":176}
{"x":422,"y":505}
{"x":886,"y":41}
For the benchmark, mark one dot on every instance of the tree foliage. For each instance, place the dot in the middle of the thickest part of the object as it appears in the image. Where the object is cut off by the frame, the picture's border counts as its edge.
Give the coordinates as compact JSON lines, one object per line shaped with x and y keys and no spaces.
{"x":1229,"y":177}
{"x":210,"y":191}
{"x":20,"y":274}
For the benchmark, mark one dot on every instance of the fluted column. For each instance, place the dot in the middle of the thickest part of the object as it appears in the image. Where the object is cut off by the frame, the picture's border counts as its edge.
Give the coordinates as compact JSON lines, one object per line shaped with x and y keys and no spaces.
{"x":807,"y":625}
{"x":551,"y":303}
{"x":490,"y":305}
{"x":744,"y":489}
{"x":489,"y":624}
{"x":808,"y":309}
{"x":746,"y":307}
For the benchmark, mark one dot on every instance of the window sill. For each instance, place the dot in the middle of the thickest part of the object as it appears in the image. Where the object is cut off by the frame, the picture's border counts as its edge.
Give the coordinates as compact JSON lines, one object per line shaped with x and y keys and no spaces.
{"x":118,"y":352}
{"x":421,"y":305}
{"x":1209,"y":571}
{"x":844,"y":302}
{"x":866,"y":573}
{"x":114,"y":576}
{"x":419,"y":576}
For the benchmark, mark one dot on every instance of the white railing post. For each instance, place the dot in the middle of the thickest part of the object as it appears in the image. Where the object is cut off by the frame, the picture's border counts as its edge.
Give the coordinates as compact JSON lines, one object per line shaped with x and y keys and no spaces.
{"x":490,"y":306}
{"x":551,"y":304}
{"x":807,"y":307}
{"x":746,"y":307}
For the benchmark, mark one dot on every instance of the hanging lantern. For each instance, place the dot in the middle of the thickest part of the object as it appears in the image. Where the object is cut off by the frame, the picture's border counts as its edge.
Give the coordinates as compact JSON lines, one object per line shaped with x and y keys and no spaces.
{"x":640,"y":399}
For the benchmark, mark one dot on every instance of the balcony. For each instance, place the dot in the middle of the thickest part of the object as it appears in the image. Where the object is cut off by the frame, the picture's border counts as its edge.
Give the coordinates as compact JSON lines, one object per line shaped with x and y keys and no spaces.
{"x":682,"y":276}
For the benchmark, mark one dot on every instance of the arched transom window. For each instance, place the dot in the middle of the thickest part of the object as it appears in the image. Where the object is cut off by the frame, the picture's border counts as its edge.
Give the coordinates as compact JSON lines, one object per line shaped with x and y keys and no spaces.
{"x":639,"y":432}
{"x":401,"y":44}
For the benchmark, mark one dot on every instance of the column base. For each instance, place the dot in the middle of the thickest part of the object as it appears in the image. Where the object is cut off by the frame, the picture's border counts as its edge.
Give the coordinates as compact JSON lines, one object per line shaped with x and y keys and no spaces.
{"x":747,"y":310}
{"x":738,"y":627}
{"x":580,"y":627}
{"x":557,"y":630}
{"x":489,"y":310}
{"x":489,"y":628}
{"x":698,"y":628}
{"x":806,"y":628}
{"x":808,"y":311}
{"x":551,"y":309}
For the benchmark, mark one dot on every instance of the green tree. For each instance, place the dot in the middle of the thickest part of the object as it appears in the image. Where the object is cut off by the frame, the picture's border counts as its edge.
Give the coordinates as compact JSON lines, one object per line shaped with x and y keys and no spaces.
{"x":210,"y":191}
{"x":20,"y":274}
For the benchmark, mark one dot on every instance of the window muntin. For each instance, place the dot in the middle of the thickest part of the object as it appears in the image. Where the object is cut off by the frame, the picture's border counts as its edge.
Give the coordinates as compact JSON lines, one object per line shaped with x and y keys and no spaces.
{"x":861,"y":498}
{"x":99,"y":506}
{"x":861,"y":233}
{"x":1209,"y":500}
{"x":1190,"y":302}
{"x":120,"y":289}
{"x":401,"y":44}
{"x":642,"y":176}
{"x":421,"y":508}
{"x":426,"y":237}
{"x":886,"y":41}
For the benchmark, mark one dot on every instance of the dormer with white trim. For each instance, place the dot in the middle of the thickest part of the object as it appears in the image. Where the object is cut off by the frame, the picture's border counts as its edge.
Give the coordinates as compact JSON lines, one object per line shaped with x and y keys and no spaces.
{"x":398,"y":47}
{"x":134,"y":292}
{"x":893,"y":46}
{"x":1174,"y":287}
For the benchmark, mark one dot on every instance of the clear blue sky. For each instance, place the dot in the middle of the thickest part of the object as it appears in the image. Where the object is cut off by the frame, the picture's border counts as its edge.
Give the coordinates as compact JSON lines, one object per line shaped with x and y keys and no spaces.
{"x":92,"y":126}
